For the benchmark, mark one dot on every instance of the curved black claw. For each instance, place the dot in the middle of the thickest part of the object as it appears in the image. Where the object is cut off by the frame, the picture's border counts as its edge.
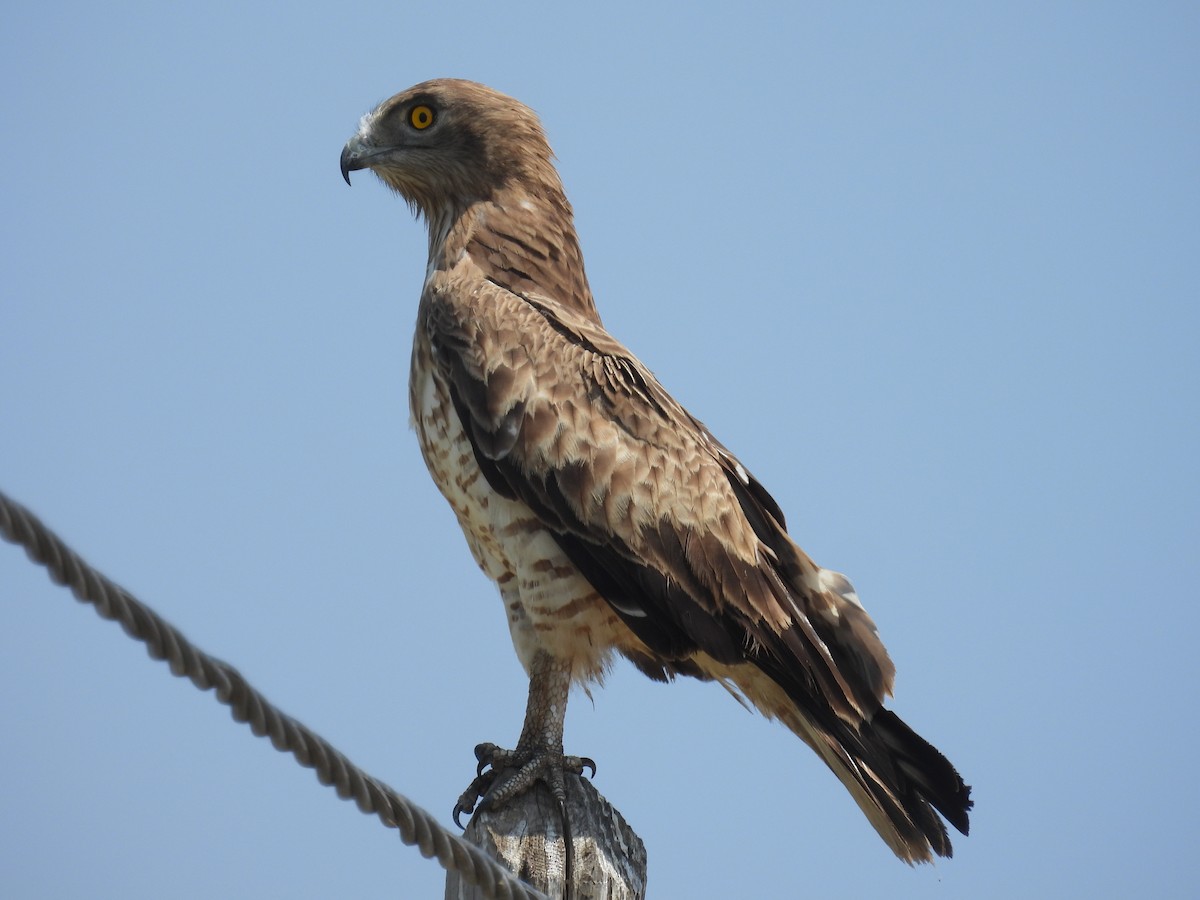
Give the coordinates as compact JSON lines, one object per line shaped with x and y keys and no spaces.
{"x":586,"y":762}
{"x":474,"y":797}
{"x":486,"y":753}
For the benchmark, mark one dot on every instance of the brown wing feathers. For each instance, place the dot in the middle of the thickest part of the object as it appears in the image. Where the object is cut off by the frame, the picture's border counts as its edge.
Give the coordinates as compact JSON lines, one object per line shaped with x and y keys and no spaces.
{"x":685,"y":602}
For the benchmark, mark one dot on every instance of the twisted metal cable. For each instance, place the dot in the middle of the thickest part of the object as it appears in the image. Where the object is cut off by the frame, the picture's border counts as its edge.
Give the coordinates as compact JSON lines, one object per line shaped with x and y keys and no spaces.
{"x":164,"y":642}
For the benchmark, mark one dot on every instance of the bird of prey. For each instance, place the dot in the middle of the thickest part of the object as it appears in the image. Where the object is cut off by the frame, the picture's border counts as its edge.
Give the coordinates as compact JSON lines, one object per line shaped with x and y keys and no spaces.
{"x":609,"y":517}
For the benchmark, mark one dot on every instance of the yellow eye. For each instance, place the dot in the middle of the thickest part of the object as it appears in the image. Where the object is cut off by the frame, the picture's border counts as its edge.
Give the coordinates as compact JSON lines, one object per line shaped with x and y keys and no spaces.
{"x":420,"y":117}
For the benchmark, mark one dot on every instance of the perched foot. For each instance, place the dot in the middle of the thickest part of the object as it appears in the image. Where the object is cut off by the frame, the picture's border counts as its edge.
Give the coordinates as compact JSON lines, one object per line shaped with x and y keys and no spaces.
{"x":503,"y":774}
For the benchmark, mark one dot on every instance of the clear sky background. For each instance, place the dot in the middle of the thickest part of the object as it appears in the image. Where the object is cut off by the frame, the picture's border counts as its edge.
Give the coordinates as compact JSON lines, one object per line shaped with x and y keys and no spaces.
{"x":930,"y":270}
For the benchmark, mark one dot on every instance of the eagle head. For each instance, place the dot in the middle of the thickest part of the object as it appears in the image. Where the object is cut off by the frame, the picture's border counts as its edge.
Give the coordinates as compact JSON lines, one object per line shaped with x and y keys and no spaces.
{"x":447,"y":143}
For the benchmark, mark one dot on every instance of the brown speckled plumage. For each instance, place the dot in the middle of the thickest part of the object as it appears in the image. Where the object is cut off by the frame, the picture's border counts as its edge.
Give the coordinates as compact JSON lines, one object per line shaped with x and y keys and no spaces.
{"x":609,"y":517}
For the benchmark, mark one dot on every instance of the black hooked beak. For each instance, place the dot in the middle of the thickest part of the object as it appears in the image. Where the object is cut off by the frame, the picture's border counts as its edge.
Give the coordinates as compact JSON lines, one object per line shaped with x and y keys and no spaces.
{"x":355,"y":155}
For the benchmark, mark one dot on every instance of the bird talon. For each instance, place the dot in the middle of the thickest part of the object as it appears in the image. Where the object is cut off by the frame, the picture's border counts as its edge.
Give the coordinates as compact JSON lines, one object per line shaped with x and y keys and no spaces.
{"x":501,"y":774}
{"x":474,"y":798}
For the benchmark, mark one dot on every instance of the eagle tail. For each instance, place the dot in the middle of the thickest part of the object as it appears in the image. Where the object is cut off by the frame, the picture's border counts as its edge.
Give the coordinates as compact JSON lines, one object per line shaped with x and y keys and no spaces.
{"x":898,"y":779}
{"x":901,"y":782}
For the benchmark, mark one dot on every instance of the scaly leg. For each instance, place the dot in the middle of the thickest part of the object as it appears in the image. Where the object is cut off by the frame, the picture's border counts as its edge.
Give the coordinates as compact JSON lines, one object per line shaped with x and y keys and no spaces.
{"x":539,"y":754}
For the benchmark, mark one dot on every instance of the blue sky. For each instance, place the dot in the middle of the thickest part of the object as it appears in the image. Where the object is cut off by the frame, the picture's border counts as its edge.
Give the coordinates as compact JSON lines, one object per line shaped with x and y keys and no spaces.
{"x":931,"y":271}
